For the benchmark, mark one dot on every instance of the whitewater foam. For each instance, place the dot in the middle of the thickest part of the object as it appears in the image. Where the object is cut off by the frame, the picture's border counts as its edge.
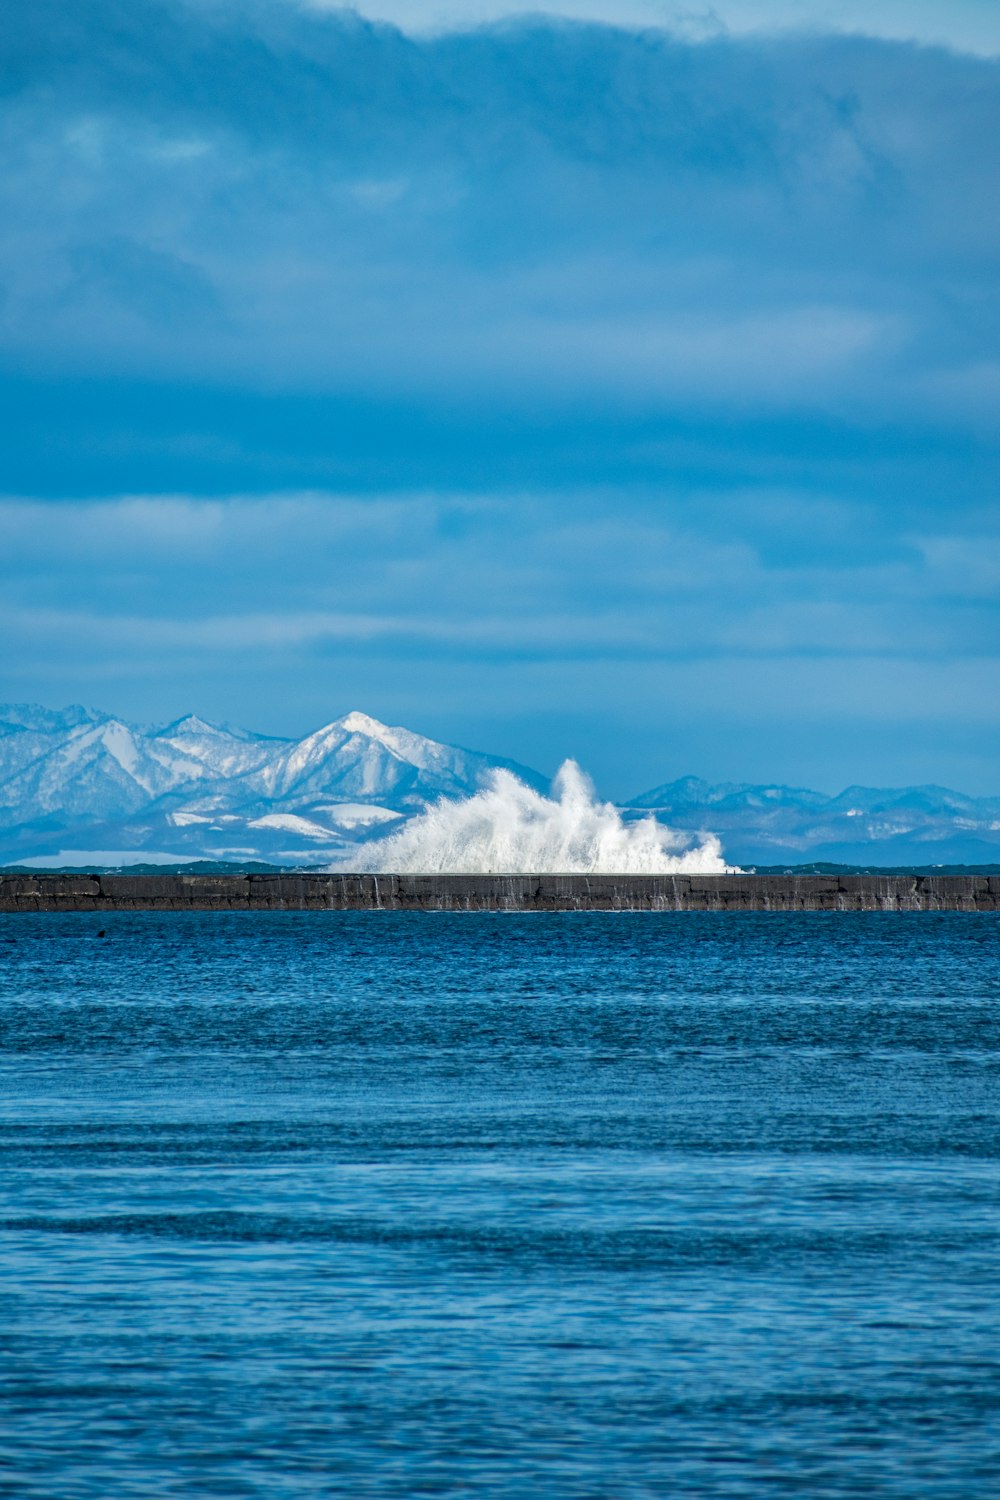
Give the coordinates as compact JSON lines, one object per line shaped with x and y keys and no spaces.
{"x":507,"y":828}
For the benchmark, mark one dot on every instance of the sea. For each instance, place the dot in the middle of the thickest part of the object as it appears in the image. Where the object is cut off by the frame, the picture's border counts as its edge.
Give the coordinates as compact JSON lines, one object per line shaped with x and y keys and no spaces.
{"x":423,"y":1205}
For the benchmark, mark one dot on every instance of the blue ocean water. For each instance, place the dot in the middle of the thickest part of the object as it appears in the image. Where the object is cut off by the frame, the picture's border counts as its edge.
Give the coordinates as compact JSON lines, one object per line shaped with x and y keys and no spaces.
{"x":309,"y":1204}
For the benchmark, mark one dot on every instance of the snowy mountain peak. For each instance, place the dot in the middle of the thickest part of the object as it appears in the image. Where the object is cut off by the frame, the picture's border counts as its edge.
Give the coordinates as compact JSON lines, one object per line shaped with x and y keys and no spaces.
{"x":191,"y":724}
{"x":358,"y":723}
{"x":414,"y":749}
{"x":364,"y":759}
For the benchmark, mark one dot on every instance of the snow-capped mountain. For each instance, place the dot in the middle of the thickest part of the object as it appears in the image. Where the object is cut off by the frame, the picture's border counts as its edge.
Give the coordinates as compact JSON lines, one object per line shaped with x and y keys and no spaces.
{"x":765,"y":825}
{"x":77,"y":784}
{"x":80,"y":787}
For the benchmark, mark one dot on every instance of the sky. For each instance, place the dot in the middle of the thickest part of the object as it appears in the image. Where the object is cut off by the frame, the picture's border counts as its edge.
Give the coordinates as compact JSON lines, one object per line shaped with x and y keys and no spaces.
{"x":621,"y":383}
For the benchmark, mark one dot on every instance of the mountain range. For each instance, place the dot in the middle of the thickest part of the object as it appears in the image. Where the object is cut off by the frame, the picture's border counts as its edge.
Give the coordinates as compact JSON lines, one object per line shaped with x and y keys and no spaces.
{"x":80,"y":787}
{"x":881,"y":826}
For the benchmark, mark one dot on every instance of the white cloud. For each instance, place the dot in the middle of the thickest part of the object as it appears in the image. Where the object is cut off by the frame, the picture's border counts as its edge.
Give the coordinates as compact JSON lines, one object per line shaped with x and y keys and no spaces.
{"x":966,"y":25}
{"x":774,"y":355}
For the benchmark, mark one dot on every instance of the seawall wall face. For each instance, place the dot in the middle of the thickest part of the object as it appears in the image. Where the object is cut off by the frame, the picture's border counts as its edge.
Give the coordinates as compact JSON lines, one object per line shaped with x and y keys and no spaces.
{"x":316,"y":892}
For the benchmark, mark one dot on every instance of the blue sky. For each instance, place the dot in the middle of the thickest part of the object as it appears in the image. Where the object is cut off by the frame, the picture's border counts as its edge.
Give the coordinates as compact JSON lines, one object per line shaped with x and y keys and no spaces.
{"x":549,"y":386}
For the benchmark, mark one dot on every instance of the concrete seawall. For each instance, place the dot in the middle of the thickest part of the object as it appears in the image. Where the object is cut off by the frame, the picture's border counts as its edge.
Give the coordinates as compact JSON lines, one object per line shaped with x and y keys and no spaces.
{"x":314,"y":892}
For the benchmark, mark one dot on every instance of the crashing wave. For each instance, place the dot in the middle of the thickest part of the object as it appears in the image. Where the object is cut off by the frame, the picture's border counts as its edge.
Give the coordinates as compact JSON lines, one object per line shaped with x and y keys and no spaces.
{"x":507,"y":828}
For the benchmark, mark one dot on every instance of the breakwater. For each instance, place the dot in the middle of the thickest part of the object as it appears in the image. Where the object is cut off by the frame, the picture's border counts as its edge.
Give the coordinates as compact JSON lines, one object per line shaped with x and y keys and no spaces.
{"x":525,"y":893}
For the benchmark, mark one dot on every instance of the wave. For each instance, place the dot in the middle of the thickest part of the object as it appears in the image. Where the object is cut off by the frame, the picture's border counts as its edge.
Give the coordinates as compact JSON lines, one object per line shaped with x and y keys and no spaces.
{"x":507,"y":828}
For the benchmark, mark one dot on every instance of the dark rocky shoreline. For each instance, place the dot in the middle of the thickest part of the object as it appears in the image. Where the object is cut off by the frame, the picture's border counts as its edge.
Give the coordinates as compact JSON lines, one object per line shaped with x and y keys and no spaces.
{"x":527,"y":893}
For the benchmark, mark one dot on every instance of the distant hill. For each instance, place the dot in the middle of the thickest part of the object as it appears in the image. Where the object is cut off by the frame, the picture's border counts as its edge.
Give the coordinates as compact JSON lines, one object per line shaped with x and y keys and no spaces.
{"x":781,"y":825}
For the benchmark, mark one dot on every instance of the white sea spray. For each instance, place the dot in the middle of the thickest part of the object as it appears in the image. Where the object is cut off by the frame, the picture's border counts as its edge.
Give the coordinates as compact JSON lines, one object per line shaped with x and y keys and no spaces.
{"x":507,"y":828}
